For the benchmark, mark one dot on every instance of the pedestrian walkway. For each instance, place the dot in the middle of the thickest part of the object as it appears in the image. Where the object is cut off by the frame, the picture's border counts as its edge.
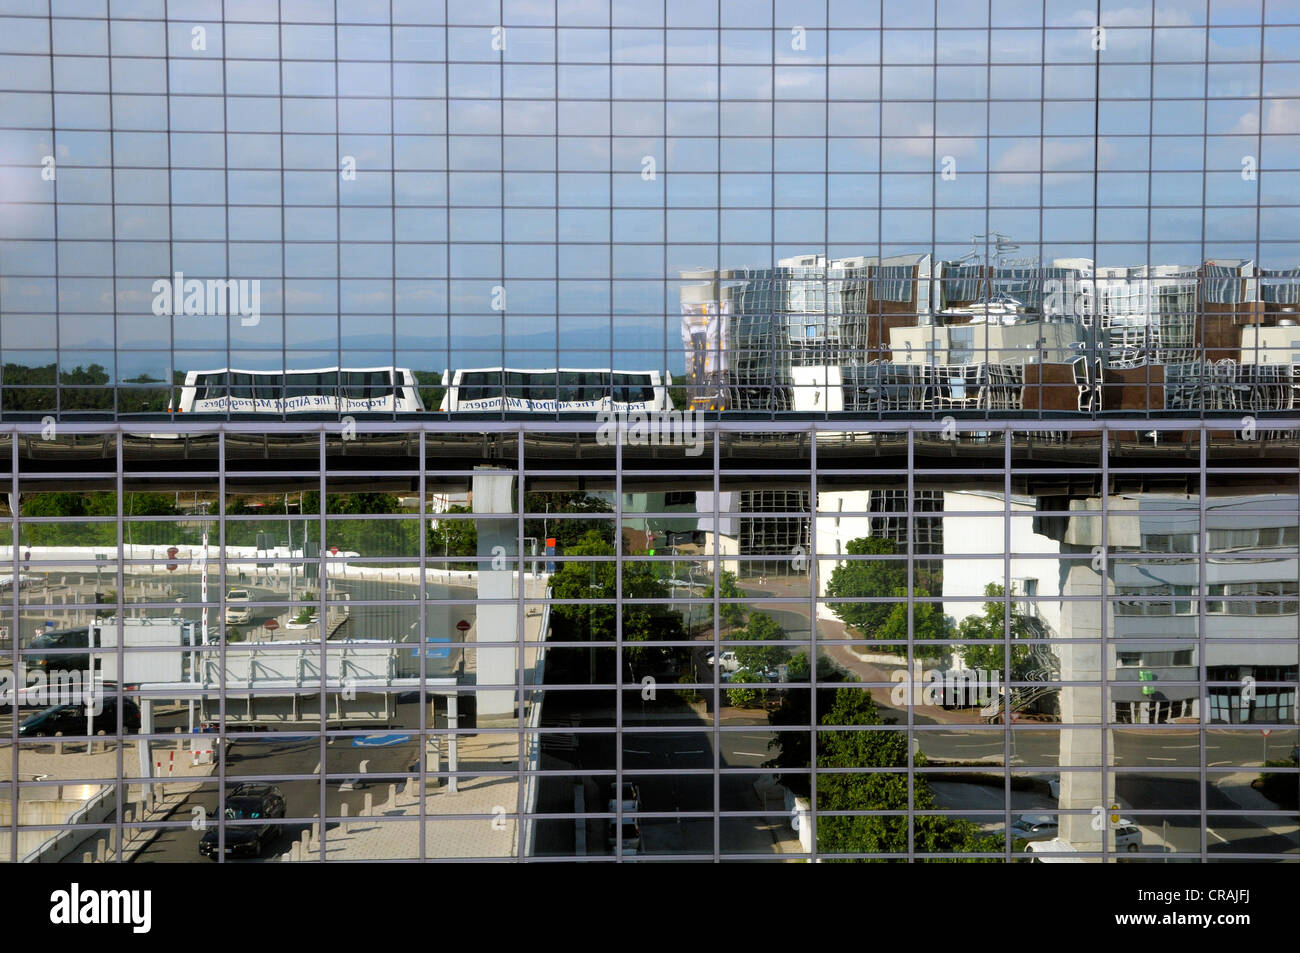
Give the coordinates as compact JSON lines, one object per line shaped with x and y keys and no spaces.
{"x":393,"y":830}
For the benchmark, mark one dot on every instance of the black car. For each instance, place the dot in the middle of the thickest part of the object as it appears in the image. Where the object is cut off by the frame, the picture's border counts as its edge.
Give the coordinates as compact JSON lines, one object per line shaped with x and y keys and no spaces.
{"x":71,"y":719}
{"x":248,"y":802}
{"x":61,"y":639}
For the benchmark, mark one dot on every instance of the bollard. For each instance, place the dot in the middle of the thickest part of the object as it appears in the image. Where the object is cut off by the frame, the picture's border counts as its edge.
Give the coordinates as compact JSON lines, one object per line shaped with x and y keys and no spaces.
{"x":112,"y":840}
{"x":368,"y":808}
{"x":127,"y":816}
{"x":58,"y":747}
{"x":343,"y":810}
{"x":392,"y":796}
{"x":99,"y":851}
{"x":87,"y":858}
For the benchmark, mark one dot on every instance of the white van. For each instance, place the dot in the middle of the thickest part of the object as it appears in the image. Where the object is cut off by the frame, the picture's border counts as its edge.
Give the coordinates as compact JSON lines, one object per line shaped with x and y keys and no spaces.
{"x":1054,"y":851}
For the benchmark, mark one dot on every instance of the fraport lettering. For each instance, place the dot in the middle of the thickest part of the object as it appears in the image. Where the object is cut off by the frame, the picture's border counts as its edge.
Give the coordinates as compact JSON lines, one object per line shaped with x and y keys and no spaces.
{"x":102,"y":907}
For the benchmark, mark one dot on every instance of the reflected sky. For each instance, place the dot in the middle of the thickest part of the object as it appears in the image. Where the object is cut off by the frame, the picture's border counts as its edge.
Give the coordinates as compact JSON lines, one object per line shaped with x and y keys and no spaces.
{"x":381,"y":174}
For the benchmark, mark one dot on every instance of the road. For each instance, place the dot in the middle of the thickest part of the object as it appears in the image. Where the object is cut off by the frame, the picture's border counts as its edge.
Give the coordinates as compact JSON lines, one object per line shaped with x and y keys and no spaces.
{"x":272,"y":759}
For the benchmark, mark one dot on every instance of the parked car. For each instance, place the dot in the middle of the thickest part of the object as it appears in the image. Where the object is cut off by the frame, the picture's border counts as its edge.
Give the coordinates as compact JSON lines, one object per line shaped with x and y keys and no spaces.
{"x":1035,"y":827}
{"x":1128,"y":836}
{"x":238,"y":611}
{"x":631,"y":799}
{"x":72,"y":719}
{"x":630,"y":841}
{"x":1052,"y":851}
{"x":248,"y":802}
{"x":726,"y":661}
{"x":59,"y":661}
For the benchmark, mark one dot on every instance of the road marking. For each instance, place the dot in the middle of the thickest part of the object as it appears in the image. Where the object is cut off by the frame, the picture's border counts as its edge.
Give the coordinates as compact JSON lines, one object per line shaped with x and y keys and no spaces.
{"x":634,"y":751}
{"x":1154,"y":758}
{"x":750,"y":754}
{"x":1210,"y":830}
{"x":691,"y":751}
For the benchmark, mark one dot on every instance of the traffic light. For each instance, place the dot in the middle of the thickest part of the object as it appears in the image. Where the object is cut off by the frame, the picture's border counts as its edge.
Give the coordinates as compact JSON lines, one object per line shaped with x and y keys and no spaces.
{"x":1146,"y":675}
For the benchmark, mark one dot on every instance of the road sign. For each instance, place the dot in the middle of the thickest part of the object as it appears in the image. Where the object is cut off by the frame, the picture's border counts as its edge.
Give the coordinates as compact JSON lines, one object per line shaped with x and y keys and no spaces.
{"x":462,"y":625}
{"x":334,"y":550}
{"x":272,"y":625}
{"x":1266,"y":731}
{"x":171,"y":554}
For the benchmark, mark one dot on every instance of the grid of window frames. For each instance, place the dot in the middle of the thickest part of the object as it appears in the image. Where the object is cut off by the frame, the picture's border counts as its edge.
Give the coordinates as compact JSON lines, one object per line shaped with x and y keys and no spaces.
{"x":421,"y":642}
{"x":908,"y":637}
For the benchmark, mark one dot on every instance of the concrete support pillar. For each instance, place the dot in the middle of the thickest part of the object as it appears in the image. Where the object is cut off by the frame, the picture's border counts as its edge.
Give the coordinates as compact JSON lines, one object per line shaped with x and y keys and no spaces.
{"x":453,"y":721}
{"x":146,"y":726}
{"x":1081,"y":705}
{"x":433,"y":758}
{"x":494,"y":493}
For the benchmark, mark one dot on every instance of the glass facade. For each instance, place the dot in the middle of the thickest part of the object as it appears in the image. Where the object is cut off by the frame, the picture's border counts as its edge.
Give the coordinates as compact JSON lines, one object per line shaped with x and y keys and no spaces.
{"x":549,"y":429}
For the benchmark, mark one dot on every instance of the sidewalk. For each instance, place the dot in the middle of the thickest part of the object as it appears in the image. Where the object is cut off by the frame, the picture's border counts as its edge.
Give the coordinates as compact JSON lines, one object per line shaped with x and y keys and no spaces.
{"x":392,"y":832}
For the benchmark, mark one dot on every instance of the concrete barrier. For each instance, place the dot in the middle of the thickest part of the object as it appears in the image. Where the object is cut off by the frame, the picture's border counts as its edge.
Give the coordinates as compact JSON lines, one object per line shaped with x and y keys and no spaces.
{"x":62,"y":843}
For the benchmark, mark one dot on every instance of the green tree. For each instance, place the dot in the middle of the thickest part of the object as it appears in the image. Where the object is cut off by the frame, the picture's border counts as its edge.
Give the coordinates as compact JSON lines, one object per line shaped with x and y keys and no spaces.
{"x":761,"y":628}
{"x":881,"y":791}
{"x":454,"y":537}
{"x":757,"y":662}
{"x":989,"y":627}
{"x":90,"y":504}
{"x":730,"y":613}
{"x":597,"y":580}
{"x":867,"y":578}
{"x":928,"y":624}
{"x":567,"y":532}
{"x":885,"y":579}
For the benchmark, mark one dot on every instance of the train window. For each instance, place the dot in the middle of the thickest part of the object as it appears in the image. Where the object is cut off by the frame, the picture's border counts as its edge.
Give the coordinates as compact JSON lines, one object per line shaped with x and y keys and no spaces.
{"x":241,"y":386}
{"x":575,"y":386}
{"x":517,"y":384}
{"x":478,"y":385}
{"x":213,"y":386}
{"x":364,"y":385}
{"x":541,"y":386}
{"x":632,"y":387}
{"x":304,"y":385}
